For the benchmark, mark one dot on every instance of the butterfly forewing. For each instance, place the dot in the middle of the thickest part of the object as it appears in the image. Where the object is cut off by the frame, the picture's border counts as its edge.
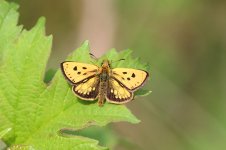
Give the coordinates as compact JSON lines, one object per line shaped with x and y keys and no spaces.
{"x":132,"y":79}
{"x":117,"y":93}
{"x":76,"y":72}
{"x":88,"y":89}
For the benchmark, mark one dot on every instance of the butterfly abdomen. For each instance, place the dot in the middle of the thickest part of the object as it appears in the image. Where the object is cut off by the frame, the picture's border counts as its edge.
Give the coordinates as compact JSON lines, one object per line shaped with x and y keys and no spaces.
{"x":103,"y":87}
{"x":102,"y":92}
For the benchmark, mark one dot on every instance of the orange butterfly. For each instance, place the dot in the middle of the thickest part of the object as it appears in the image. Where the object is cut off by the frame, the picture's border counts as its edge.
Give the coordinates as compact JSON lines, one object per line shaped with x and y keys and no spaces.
{"x":91,"y":82}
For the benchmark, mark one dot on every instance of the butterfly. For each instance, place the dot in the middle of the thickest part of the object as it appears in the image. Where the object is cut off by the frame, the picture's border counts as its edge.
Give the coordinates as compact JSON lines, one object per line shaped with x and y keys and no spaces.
{"x":90,"y":82}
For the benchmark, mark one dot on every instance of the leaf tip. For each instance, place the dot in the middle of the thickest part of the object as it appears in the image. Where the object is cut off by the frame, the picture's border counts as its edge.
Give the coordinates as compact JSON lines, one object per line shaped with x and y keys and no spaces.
{"x":41,"y":21}
{"x":135,"y":121}
{"x":40,"y":25}
{"x":85,"y":44}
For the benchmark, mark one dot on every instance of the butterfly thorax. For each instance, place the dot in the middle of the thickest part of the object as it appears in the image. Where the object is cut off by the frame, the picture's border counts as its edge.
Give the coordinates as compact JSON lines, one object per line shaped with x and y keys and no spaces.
{"x":104,"y":71}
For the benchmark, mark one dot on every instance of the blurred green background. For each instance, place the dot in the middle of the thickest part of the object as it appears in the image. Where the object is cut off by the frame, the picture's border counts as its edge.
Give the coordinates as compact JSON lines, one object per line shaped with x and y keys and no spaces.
{"x":185,"y":43}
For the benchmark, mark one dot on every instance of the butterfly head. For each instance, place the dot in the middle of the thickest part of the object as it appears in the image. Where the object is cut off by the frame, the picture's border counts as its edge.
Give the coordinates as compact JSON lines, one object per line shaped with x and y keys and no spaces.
{"x":105,"y":64}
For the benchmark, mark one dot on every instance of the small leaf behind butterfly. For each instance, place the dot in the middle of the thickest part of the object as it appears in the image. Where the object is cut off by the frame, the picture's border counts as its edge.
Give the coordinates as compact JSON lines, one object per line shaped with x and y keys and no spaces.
{"x":142,"y":92}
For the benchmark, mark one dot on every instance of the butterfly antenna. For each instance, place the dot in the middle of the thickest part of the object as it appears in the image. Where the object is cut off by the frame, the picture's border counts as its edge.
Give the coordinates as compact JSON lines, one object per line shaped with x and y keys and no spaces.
{"x":118,"y":60}
{"x":93,"y":56}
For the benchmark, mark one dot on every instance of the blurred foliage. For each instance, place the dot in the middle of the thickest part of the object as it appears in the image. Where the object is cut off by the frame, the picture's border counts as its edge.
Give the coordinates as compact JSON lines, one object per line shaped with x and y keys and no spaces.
{"x":185,"y":43}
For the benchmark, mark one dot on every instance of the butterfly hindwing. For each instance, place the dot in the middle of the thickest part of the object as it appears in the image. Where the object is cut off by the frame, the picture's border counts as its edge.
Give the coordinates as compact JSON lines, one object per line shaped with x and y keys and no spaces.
{"x":76,"y":72}
{"x":88,"y":89}
{"x":132,"y":79}
{"x":117,"y":93}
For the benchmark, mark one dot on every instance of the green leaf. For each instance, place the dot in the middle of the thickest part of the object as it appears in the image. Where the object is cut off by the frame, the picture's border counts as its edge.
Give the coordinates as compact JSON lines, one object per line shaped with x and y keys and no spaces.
{"x":35,"y":111}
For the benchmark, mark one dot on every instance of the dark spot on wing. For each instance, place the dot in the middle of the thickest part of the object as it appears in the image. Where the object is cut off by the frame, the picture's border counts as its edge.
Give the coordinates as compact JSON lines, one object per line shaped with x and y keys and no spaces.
{"x":84,"y":68}
{"x":128,"y":78}
{"x":133,"y":75}
{"x":84,"y":73}
{"x":75,"y":68}
{"x":123,"y":78}
{"x":79,"y":72}
{"x":124,"y":72}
